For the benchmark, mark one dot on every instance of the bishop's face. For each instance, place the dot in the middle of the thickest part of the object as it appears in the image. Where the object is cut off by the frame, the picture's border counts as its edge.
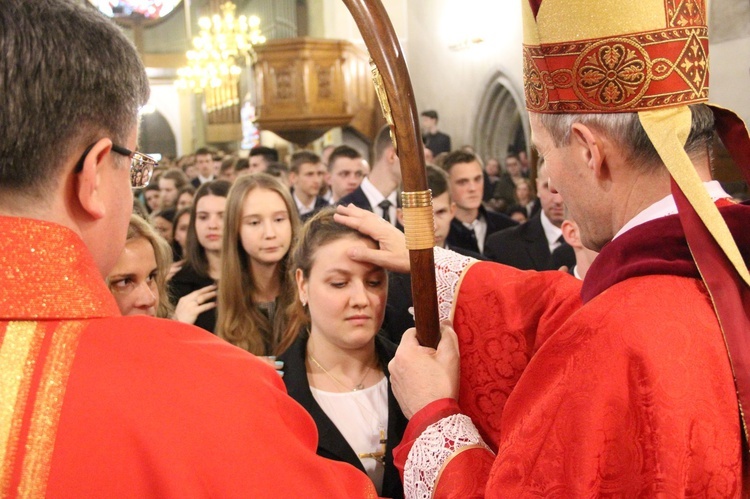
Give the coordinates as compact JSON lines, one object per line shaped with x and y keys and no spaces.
{"x":569,"y":173}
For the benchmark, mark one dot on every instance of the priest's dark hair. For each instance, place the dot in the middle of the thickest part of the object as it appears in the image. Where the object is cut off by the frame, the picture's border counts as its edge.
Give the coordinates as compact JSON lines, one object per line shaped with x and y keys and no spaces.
{"x":68,"y":77}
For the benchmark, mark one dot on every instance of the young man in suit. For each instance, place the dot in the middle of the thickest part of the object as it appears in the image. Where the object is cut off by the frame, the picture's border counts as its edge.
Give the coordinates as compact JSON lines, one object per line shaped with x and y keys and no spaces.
{"x":436,"y":141}
{"x":204,"y":162}
{"x":345,"y":172}
{"x":261,"y":157}
{"x":472,"y":223}
{"x":306,"y":178}
{"x":378,"y":192}
{"x":530,"y":246}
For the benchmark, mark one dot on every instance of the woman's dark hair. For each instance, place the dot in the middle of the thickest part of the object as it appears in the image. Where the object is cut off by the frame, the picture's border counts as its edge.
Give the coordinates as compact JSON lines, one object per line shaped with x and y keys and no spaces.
{"x":196,"y":254}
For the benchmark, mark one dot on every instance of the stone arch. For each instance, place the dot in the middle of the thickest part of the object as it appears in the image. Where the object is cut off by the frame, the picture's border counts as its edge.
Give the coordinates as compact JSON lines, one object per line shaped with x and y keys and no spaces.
{"x":501,"y":124}
{"x":156,"y":136}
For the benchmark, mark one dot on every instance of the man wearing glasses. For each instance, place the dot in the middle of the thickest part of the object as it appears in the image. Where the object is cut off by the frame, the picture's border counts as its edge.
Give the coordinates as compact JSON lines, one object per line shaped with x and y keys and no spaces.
{"x":93,"y":404}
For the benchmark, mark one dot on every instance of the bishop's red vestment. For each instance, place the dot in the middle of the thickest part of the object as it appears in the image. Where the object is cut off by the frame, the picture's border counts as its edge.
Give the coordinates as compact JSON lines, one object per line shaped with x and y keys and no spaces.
{"x":97,"y":405}
{"x":620,"y":389}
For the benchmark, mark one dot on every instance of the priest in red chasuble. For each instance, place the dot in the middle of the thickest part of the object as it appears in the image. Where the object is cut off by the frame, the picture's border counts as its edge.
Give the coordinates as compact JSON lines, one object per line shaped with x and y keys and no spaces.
{"x":630,"y":384}
{"x":93,"y":404}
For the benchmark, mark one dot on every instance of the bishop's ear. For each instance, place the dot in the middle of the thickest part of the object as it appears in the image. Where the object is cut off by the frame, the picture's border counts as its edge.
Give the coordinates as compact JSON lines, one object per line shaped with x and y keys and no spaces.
{"x":88,"y":183}
{"x":589,"y":144}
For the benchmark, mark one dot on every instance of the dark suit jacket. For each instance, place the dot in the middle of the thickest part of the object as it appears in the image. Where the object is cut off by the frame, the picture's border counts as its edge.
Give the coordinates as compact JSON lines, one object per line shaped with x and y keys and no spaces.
{"x":331,"y":443}
{"x":461,"y":237}
{"x":320,"y":203}
{"x":185,"y":282}
{"x":525,"y":247}
{"x":358,"y":199}
{"x":438,"y":142}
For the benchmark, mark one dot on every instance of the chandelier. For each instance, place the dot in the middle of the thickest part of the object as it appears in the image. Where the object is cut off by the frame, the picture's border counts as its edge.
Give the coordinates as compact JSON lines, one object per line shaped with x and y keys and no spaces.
{"x":223,"y":46}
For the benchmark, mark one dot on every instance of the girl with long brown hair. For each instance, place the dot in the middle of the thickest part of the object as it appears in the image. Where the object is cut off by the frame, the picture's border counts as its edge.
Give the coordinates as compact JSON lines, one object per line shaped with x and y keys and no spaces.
{"x":193,"y":287}
{"x":255,"y":289}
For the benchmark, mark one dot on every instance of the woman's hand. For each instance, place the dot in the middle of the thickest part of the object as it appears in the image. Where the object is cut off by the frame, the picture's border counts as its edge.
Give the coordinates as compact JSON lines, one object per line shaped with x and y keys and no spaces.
{"x":392,"y":254}
{"x":174,"y":268}
{"x":193,"y":304}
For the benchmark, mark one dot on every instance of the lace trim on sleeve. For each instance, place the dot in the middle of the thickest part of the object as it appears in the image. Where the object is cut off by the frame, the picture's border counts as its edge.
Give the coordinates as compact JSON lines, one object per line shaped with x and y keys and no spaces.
{"x":449,"y":266}
{"x":433,"y":448}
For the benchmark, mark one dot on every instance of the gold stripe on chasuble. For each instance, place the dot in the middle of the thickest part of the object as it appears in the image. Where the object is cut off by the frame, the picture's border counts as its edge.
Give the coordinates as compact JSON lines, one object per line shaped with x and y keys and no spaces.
{"x":47,"y":407}
{"x":18,"y":353}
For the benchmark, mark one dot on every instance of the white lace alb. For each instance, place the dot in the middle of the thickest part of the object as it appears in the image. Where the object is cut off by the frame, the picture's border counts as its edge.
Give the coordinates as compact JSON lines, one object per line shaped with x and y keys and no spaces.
{"x":432,"y":448}
{"x":449,"y":266}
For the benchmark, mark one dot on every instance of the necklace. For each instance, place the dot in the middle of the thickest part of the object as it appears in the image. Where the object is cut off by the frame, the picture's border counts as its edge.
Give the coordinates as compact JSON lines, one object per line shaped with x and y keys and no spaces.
{"x":357,"y":387}
{"x":379,"y":455}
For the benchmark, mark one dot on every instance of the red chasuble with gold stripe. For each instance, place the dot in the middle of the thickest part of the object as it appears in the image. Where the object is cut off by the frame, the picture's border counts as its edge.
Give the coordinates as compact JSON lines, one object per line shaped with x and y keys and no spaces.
{"x":97,"y":405}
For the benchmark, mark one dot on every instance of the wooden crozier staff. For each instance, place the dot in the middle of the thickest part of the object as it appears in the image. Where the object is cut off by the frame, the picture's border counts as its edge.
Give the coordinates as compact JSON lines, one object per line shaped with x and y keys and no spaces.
{"x":394,"y":90}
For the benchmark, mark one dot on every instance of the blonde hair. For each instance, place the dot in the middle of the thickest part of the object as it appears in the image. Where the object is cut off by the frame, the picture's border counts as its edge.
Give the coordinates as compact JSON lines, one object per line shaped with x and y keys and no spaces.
{"x":239,"y":320}
{"x":139,"y":228}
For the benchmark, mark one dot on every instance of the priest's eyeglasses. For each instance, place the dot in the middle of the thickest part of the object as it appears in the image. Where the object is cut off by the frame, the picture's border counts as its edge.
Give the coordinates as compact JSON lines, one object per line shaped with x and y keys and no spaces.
{"x":141,"y":165}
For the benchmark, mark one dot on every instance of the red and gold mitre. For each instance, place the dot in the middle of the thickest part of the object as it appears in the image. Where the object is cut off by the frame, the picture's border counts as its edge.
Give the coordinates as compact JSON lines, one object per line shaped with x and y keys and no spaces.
{"x":601,"y":56}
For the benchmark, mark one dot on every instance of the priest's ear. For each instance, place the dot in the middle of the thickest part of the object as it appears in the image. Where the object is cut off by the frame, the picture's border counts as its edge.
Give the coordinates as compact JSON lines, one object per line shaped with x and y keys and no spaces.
{"x":88,"y":182}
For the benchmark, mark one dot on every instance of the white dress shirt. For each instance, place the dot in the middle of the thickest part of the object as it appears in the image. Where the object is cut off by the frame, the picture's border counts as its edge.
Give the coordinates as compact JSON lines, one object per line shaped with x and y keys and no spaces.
{"x":667,"y":206}
{"x":374,"y":197}
{"x":301,"y":208}
{"x":479,"y":226}
{"x":551,"y":232}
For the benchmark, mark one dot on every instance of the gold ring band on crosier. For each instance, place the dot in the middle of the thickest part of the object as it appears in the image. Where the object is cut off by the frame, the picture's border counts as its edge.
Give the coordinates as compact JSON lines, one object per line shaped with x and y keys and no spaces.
{"x":416,"y":199}
{"x":419,"y":227}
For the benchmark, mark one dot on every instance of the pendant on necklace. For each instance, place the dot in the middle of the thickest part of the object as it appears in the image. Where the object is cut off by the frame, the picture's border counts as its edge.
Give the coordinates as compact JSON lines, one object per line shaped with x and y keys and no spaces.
{"x":358,"y":387}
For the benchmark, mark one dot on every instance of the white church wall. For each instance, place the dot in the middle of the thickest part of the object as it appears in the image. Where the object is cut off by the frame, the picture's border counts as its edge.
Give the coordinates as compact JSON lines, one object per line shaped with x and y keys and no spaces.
{"x":451,"y":79}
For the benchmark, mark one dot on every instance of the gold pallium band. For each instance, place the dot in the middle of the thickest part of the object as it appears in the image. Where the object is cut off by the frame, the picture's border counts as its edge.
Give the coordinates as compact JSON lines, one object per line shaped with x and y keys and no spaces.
{"x":419,"y":227}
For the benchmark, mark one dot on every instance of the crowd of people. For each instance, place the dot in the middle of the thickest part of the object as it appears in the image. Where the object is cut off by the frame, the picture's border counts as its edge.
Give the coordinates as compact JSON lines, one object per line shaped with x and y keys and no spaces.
{"x":253,"y":255}
{"x":294,"y":277}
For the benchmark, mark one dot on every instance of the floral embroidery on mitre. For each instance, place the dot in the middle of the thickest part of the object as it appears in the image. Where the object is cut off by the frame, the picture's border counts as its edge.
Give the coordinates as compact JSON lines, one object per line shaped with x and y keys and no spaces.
{"x":622,"y":73}
{"x":612,"y":73}
{"x":433,"y":448}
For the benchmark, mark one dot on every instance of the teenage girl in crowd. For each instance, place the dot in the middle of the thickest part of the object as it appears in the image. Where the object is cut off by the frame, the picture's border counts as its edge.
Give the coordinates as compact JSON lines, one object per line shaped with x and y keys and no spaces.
{"x":256,"y":289}
{"x":163,"y":222}
{"x":337,"y":368}
{"x":138,"y":279}
{"x":193,"y":287}
{"x":179,"y":233}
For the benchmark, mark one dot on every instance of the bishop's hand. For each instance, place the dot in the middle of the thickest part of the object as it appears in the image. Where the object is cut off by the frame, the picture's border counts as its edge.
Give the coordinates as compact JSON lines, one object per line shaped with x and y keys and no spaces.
{"x":392,"y":254}
{"x":421,"y":375}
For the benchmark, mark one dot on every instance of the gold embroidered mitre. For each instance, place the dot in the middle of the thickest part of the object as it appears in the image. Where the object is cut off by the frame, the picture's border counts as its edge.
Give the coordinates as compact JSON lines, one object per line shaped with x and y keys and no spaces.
{"x":599,"y":56}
